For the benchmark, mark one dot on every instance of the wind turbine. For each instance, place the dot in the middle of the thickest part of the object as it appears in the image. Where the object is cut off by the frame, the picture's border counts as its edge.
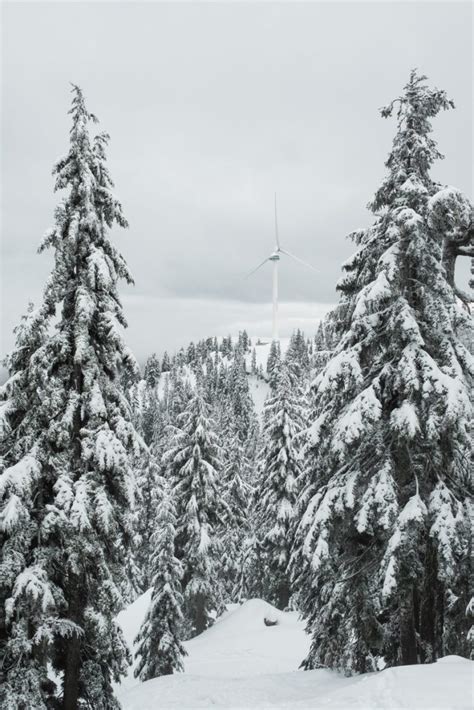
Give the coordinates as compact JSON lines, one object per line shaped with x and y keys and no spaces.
{"x":274,"y":258}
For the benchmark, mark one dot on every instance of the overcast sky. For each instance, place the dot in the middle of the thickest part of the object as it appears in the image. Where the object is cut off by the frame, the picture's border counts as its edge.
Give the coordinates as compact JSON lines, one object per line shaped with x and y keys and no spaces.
{"x":212,"y":108}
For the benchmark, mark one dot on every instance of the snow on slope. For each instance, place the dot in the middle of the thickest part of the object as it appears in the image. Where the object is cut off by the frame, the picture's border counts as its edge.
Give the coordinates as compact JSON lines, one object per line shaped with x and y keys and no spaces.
{"x":239,"y":643}
{"x":444,"y":685}
{"x":262,"y":350}
{"x":242,"y":664}
{"x":259,"y":390}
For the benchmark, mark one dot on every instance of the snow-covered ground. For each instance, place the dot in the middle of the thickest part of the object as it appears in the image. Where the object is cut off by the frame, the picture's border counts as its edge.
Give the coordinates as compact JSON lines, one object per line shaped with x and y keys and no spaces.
{"x":243,"y":664}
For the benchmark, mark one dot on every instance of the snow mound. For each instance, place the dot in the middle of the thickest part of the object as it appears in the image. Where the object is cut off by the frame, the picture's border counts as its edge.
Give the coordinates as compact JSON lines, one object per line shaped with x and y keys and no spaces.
{"x":248,"y":616}
{"x":240,"y":644}
{"x":453,"y":659}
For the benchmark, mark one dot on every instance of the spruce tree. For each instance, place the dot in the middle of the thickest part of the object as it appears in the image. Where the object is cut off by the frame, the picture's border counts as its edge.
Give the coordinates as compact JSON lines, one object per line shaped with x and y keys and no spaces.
{"x":79,"y":466}
{"x":381,"y":560}
{"x":29,"y":599}
{"x":152,"y":371}
{"x":239,"y":400}
{"x":280,"y":470}
{"x":160,"y":650}
{"x":273,"y":361}
{"x":194,"y":467}
{"x":297,"y":359}
{"x":165,"y":363}
{"x":237,"y":494}
{"x":253,"y":362}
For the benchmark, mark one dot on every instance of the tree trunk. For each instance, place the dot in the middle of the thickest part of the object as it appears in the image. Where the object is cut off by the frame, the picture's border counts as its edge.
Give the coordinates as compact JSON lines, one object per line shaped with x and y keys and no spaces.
{"x":283,"y":594}
{"x":200,"y":616}
{"x":449,"y":261}
{"x":72,"y":662}
{"x":74,"y":585}
{"x":428,"y":606}
{"x":408,"y":644}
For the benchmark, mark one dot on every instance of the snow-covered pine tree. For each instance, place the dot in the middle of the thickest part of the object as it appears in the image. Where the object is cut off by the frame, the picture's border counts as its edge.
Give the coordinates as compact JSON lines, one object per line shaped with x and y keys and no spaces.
{"x":194,"y":467}
{"x":226,"y":346}
{"x":279,"y":471}
{"x":179,"y":393}
{"x":322,"y":347}
{"x":297,"y":359}
{"x":253,"y":362}
{"x":160,"y":650}
{"x":152,"y":371}
{"x":150,"y":423}
{"x":237,"y":493}
{"x":144,"y":517}
{"x":381,"y":560}
{"x":239,"y":399}
{"x":80,"y":462}
{"x":165,"y":363}
{"x":273,"y":361}
{"x":29,"y":599}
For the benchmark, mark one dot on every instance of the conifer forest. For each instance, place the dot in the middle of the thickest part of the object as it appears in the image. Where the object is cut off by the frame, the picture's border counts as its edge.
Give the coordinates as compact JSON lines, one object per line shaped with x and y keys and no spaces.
{"x":306,"y":499}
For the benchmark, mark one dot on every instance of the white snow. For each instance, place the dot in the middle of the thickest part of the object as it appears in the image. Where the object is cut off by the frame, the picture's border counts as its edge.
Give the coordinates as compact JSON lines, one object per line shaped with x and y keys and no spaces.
{"x":259,"y":390}
{"x":372,"y":293}
{"x":239,"y":643}
{"x":240,"y":663}
{"x":262,"y":350}
{"x":405,"y":419}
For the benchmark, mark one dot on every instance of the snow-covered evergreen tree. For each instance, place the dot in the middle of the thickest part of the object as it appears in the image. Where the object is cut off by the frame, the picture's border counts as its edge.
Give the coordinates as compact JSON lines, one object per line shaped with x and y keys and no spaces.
{"x":279,"y":471}
{"x":237,"y":493}
{"x":160,"y":650}
{"x":323,"y":346}
{"x":381,"y":560}
{"x":239,"y":400}
{"x":194,"y":466}
{"x":72,"y":448}
{"x":253,"y":362}
{"x":165,"y":363}
{"x":152,"y":371}
{"x":28,"y":597}
{"x":297,"y":358}
{"x":273,"y":361}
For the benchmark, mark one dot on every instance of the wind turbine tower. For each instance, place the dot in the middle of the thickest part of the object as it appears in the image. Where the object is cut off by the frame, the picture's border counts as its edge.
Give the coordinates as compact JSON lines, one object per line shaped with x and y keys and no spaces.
{"x":274,"y":258}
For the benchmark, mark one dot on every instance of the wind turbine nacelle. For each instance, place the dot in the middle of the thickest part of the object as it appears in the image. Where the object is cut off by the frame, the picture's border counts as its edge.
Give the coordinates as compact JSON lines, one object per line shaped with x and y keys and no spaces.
{"x":274,"y":257}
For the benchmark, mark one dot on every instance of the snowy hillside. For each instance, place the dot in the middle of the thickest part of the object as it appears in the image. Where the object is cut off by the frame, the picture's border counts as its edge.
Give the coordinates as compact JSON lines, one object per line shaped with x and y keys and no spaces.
{"x":262,"y":349}
{"x":258,"y":387}
{"x":242,"y":663}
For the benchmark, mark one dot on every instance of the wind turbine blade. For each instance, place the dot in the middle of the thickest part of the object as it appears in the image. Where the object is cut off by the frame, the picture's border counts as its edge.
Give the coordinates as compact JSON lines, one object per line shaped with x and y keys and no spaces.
{"x":296,"y":258}
{"x":276,"y":224}
{"x":257,"y":268}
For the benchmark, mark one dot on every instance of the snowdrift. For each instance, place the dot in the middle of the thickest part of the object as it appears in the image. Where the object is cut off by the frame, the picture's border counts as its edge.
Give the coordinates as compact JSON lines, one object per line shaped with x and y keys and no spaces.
{"x":446,"y":685}
{"x":239,"y":644}
{"x":243,"y":664}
